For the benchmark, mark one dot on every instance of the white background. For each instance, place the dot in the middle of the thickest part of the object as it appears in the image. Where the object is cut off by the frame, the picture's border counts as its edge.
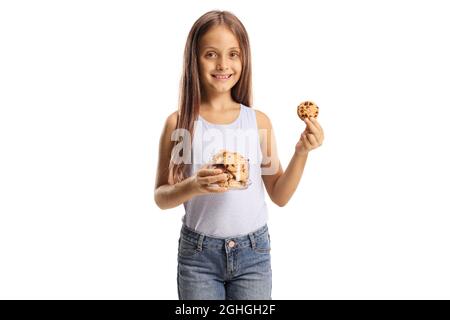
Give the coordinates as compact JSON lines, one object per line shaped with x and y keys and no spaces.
{"x":85,"y":87}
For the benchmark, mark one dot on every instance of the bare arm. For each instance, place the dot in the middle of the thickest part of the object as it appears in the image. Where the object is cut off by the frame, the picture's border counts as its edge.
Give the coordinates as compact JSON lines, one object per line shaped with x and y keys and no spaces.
{"x":169,"y":196}
{"x":287,"y":183}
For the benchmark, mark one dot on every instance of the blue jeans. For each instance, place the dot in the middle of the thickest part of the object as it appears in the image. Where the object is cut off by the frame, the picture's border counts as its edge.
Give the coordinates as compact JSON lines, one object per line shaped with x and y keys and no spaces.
{"x":224,"y":269}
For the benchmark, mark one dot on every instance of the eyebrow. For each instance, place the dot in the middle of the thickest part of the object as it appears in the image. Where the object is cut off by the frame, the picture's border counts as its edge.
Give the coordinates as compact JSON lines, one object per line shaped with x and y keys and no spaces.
{"x":208,"y":47}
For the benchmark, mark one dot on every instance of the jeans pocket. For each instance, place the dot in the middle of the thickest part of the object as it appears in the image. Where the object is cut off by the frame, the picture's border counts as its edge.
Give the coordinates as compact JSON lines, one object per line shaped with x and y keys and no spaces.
{"x":187,"y":249}
{"x":262,"y":244}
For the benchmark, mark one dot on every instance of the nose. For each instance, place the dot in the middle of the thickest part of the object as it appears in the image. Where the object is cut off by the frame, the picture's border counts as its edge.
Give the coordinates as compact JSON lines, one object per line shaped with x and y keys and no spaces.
{"x":221,"y":64}
{"x":221,"y":67}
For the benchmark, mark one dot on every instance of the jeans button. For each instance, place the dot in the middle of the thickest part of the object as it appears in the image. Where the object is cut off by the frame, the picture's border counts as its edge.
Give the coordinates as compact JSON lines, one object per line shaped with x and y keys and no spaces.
{"x":231,"y":244}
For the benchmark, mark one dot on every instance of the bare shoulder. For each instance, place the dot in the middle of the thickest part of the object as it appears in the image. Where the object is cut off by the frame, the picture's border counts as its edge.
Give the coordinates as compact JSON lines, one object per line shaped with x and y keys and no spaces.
{"x":169,"y":127}
{"x":170,"y":124}
{"x":165,"y":148}
{"x":171,"y":120}
{"x":263,"y":120}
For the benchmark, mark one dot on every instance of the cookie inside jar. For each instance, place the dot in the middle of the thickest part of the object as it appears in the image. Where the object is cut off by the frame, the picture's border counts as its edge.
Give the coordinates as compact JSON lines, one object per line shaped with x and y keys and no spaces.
{"x":235,"y":166}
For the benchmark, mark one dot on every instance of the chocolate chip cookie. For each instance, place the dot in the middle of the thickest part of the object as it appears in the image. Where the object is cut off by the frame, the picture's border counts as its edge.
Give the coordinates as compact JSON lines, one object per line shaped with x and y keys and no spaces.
{"x":307,"y":109}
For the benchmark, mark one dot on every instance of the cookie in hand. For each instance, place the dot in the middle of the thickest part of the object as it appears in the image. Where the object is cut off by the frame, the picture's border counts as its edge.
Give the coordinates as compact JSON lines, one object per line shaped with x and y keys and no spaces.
{"x":307,"y":109}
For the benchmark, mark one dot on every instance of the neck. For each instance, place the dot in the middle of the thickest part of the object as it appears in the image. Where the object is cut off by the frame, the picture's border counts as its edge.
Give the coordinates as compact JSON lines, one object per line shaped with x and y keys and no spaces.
{"x":218,"y":102}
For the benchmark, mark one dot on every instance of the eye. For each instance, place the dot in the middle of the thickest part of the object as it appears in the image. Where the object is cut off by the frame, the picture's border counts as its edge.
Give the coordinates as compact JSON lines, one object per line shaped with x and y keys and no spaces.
{"x":211,"y":54}
{"x":235,"y":54}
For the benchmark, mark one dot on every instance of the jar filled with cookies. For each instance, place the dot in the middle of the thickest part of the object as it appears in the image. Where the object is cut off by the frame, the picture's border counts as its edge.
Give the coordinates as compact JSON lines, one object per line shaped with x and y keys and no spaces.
{"x":235,"y":166}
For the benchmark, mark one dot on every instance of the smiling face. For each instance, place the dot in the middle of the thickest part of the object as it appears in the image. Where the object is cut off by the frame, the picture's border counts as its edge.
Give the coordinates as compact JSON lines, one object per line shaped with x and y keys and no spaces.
{"x":220,"y":62}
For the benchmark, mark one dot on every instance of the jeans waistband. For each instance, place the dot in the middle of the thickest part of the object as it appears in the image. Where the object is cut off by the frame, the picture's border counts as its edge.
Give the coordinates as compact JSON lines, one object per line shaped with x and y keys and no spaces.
{"x":202,"y":240}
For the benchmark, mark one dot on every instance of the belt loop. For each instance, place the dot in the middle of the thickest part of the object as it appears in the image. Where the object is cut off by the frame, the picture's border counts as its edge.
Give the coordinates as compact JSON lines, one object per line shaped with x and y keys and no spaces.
{"x":252,"y":240}
{"x":200,"y":242}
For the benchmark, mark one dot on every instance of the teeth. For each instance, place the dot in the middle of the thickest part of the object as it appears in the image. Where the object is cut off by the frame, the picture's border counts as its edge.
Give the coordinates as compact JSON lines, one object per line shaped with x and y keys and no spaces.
{"x":222,"y":77}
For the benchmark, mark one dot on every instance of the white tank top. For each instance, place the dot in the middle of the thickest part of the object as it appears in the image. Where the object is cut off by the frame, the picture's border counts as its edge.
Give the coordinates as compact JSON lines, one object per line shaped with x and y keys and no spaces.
{"x":235,"y":212}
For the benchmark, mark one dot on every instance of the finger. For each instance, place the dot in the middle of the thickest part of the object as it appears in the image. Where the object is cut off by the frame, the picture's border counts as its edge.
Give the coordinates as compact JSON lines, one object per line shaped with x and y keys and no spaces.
{"x":317,"y":124}
{"x":305,"y":142}
{"x":317,"y":133}
{"x":218,"y":178}
{"x":311,"y":126}
{"x":208,"y":172}
{"x":313,"y":140}
{"x":216,"y":189}
{"x":319,"y":137}
{"x":212,"y":178}
{"x":206,"y":166}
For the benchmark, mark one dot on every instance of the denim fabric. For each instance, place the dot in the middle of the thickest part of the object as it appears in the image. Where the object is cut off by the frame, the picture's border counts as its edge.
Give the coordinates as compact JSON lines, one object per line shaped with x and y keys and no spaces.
{"x":212,"y":268}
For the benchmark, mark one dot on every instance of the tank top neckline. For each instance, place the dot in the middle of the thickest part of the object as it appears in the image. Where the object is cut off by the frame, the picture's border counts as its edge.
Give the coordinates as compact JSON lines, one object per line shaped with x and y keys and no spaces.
{"x":226,"y":124}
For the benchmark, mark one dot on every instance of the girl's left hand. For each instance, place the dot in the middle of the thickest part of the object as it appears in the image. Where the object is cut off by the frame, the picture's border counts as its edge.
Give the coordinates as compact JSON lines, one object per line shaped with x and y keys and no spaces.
{"x":311,"y":138}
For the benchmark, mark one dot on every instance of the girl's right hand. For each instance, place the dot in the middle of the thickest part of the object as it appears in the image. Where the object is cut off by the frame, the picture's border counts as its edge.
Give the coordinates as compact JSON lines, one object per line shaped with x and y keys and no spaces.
{"x":201,"y":181}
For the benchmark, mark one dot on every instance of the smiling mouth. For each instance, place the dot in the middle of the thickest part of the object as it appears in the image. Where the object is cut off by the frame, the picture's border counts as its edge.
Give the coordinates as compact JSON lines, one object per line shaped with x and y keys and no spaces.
{"x":221,"y":77}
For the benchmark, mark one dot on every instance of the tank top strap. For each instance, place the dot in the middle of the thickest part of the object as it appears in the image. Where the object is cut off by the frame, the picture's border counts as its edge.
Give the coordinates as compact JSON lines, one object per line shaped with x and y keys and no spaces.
{"x":246,"y":117}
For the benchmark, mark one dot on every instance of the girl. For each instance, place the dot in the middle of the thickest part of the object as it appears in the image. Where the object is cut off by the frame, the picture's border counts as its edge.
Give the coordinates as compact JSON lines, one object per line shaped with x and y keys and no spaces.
{"x":224,"y":245}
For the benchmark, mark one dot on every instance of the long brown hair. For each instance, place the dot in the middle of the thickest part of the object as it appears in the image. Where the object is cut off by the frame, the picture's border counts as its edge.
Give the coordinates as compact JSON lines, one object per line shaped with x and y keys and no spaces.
{"x":190,"y":88}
